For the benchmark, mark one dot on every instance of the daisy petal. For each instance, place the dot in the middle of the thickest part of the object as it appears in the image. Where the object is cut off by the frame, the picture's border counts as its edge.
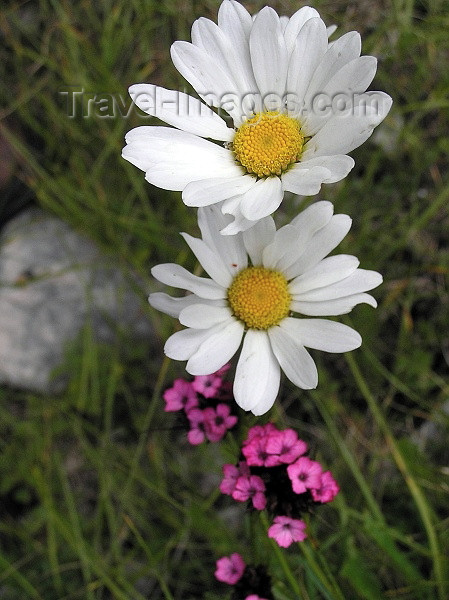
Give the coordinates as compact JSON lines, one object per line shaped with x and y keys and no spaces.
{"x":349,"y":82}
{"x":209,"y":260}
{"x":173,"y":158}
{"x":296,"y":24}
{"x":217,"y":349}
{"x":283,"y":240}
{"x":293,"y":358}
{"x":173,"y":306}
{"x":332,"y":308}
{"x":259,"y":236}
{"x":326,"y":272}
{"x":204,"y":316}
{"x":180,"y":110}
{"x":307,"y":52}
{"x":210,"y":191}
{"x":257,"y":375}
{"x":182,"y":344}
{"x":178,"y":277}
{"x":262,"y":199}
{"x":359,"y":281}
{"x":213,"y":40}
{"x":304,"y":181}
{"x":307,"y":223}
{"x":236,"y":22}
{"x":338,"y":165}
{"x":319,"y":246}
{"x":322,"y":334}
{"x":230,"y":249}
{"x":343,"y":133}
{"x":346,"y":48}
{"x":268,"y":53}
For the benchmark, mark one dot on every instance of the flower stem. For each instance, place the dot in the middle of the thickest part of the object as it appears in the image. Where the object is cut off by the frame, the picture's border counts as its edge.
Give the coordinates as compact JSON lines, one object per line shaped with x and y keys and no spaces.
{"x":415,"y":490}
{"x":282,"y":560}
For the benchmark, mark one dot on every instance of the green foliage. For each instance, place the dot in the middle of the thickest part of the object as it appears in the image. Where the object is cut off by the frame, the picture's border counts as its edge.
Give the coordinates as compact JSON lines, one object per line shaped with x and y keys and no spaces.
{"x":100,"y":495}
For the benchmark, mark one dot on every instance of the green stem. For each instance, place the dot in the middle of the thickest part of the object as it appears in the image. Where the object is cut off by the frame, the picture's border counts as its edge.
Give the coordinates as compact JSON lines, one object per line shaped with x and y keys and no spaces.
{"x":350,"y":461}
{"x":415,"y":490}
{"x":282,"y":560}
{"x":328,"y":580}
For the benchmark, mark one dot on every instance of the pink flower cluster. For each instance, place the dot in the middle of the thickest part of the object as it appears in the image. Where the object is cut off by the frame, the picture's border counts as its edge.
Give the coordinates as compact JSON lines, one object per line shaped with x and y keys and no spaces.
{"x":277,"y":476}
{"x":250,"y":581}
{"x":195,"y":399}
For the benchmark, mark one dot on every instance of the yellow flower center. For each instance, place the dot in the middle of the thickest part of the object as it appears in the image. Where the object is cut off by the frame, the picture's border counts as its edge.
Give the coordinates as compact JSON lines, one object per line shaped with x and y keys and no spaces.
{"x":259,"y":297}
{"x":268,"y":143}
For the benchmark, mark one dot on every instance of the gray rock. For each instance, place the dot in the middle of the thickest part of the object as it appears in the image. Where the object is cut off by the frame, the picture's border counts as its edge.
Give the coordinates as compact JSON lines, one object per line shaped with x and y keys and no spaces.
{"x":51,"y":280}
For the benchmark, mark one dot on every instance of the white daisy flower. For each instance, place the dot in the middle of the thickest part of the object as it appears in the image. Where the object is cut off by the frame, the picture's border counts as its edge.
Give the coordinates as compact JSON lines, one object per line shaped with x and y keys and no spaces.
{"x":298,"y":105}
{"x":262,"y":282}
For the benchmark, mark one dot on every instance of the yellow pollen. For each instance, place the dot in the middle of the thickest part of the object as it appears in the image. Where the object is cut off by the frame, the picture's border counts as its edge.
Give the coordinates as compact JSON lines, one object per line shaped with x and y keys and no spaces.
{"x":259,"y":297}
{"x":268,"y":143}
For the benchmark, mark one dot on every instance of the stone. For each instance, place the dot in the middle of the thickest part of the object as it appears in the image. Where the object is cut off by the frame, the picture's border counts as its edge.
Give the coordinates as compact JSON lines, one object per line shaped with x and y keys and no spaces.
{"x":52,"y":279}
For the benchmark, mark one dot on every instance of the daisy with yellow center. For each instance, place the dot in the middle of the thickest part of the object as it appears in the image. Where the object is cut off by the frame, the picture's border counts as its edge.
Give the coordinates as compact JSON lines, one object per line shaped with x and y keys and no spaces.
{"x":261,"y":285}
{"x":277,"y":80}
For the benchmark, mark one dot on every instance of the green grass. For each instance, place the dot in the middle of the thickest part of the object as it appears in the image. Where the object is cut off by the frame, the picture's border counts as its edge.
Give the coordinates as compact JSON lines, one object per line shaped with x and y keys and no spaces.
{"x":100,"y":495}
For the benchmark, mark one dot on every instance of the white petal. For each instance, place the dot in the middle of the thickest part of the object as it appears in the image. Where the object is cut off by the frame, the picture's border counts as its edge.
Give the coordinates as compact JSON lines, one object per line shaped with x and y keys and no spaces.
{"x":283,"y":240}
{"x":319,"y":246}
{"x":296,"y":23}
{"x":219,"y":46}
{"x":308,"y":51}
{"x":204,"y":316}
{"x":207,"y":77}
{"x":346,"y":48}
{"x":173,"y":306}
{"x":209,"y":260}
{"x":314,"y":217}
{"x":239,"y":224}
{"x":332,"y":308}
{"x":322,"y":334}
{"x":304,"y":181}
{"x":230,"y":249}
{"x":182,"y":344}
{"x":343,"y":133}
{"x":217,"y":349}
{"x":259,"y":236}
{"x":180,"y":110}
{"x":338,"y":165}
{"x":359,"y":281}
{"x":326,"y":272}
{"x":293,"y":358}
{"x":257,"y":374}
{"x":308,"y":222}
{"x":178,"y":277}
{"x":268,"y":53}
{"x":173,"y":158}
{"x":352,"y":79}
{"x":210,"y":191}
{"x":262,"y":199}
{"x":236,"y":22}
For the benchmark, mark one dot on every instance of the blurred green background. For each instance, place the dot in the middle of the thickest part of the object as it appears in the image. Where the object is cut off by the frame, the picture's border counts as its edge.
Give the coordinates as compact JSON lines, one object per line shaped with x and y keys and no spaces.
{"x":101,"y":497}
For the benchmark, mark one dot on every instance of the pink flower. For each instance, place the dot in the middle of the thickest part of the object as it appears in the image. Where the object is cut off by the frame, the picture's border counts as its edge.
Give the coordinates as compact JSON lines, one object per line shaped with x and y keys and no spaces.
{"x":255,"y":447}
{"x":217,"y":421}
{"x":231,"y":474}
{"x":305,"y":474}
{"x":180,"y":396}
{"x":286,"y":531}
{"x":254,"y":597}
{"x":284,"y":447}
{"x":207,"y":385}
{"x":224,"y":369}
{"x":250,"y":486}
{"x":196,"y":434}
{"x":230,"y":568}
{"x":328,"y":489}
